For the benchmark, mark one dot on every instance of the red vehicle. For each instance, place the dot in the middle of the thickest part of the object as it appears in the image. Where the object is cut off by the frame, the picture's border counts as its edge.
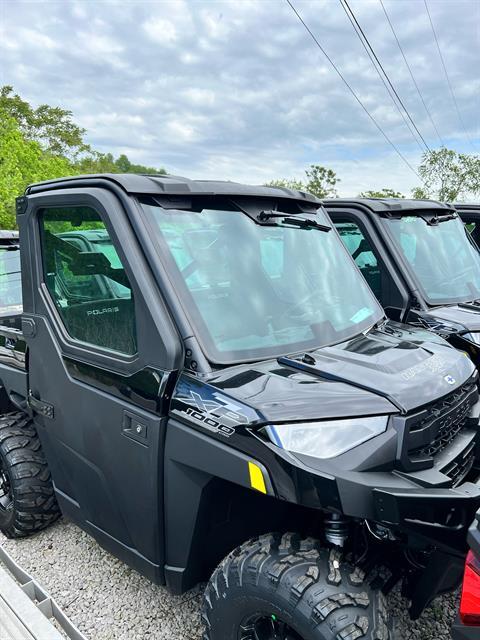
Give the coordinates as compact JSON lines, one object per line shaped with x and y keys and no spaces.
{"x":467,"y":625}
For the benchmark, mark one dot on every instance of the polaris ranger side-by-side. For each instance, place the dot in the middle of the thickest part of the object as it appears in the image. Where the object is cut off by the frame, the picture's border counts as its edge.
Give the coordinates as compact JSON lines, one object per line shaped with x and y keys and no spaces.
{"x":204,"y":379}
{"x":420,"y":262}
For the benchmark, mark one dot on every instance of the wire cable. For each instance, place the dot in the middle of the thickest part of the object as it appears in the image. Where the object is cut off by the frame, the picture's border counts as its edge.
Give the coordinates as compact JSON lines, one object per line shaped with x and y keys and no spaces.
{"x":352,"y":91}
{"x":411,"y":75}
{"x":380,"y":70}
{"x":452,"y":93}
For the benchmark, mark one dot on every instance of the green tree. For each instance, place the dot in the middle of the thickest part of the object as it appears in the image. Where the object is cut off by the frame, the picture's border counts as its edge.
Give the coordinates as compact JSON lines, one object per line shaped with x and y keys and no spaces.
{"x":448,"y":175}
{"x":51,"y":127}
{"x":320,"y":181}
{"x":284,"y":183}
{"x":382,"y":193}
{"x":22,"y":161}
{"x":44,"y":143}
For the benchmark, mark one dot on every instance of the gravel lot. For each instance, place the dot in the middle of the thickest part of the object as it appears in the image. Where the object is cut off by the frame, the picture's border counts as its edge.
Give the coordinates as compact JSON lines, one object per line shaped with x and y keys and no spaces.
{"x":109,"y":601}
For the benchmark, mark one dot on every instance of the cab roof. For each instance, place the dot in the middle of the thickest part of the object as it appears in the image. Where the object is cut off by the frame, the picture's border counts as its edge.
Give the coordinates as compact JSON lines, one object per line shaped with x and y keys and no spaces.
{"x":166,"y":185}
{"x":468,"y":207}
{"x":389,"y":205}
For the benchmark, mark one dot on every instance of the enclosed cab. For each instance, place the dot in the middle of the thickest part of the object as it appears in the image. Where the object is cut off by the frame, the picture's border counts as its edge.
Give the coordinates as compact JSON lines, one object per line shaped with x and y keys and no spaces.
{"x":419,"y":261}
{"x":207,"y":384}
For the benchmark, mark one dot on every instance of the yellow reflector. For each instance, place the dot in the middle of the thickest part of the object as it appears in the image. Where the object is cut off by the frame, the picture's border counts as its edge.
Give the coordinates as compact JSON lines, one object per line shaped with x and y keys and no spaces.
{"x":256,"y":478}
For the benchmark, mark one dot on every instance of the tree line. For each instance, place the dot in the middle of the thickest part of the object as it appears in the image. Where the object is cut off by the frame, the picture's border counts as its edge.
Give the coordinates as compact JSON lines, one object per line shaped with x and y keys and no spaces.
{"x":446,"y":175}
{"x":44,"y":142}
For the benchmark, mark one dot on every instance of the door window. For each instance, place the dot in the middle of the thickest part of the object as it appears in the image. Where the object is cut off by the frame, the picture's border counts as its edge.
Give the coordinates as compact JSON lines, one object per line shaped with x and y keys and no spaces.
{"x":87,"y":283}
{"x":361,"y":251}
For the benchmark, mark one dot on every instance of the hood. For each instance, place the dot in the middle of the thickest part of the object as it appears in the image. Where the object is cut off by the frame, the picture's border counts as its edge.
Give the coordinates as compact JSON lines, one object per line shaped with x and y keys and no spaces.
{"x":389,"y":370}
{"x":460,"y":317}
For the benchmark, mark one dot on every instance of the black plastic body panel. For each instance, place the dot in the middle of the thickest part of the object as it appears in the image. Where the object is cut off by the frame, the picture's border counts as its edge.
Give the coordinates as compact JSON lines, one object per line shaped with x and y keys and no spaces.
{"x":461,"y":632}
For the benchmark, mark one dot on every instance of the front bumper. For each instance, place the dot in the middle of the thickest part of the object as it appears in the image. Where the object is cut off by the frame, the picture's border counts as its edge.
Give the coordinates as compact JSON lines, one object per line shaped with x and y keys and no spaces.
{"x":441,"y":516}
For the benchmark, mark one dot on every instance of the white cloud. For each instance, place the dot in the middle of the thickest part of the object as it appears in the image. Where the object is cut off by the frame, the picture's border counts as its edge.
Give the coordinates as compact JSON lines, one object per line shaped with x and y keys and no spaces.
{"x":238,"y":90}
{"x":160,"y":30}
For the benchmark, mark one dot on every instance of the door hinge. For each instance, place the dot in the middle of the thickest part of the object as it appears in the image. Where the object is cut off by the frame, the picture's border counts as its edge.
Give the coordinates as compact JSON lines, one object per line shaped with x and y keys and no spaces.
{"x":21,"y":205}
{"x":39,"y":406}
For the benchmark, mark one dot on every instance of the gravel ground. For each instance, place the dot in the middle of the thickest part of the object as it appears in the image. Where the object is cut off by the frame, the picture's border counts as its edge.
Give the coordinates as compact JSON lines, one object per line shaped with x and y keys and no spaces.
{"x":109,"y":601}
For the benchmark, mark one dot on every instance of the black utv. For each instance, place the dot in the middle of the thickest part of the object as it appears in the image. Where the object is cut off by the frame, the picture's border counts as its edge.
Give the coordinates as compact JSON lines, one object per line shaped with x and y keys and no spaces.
{"x":420,"y":262}
{"x":205,"y":383}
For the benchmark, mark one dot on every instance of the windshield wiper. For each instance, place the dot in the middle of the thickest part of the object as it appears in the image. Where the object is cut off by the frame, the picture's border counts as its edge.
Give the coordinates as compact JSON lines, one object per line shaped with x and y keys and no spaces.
{"x":434,"y":220}
{"x":306,"y":223}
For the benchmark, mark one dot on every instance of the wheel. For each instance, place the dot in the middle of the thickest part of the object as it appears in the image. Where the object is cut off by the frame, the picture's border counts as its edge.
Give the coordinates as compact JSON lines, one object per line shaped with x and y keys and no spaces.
{"x":285,"y":588}
{"x":27,"y":500}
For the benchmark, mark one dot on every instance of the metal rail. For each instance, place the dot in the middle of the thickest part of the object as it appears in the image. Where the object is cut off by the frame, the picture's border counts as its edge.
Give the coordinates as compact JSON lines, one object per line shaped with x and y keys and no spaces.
{"x":27,"y":612}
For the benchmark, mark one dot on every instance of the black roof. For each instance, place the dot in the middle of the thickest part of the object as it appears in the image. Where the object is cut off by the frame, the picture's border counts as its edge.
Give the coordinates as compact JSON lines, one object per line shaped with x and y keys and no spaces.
{"x":467,"y":207}
{"x":172,"y":185}
{"x":392,"y":205}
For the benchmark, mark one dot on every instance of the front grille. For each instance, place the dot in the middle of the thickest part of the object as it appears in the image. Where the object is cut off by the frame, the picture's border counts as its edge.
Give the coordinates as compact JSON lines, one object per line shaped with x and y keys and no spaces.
{"x":439,"y":424}
{"x":459,"y":468}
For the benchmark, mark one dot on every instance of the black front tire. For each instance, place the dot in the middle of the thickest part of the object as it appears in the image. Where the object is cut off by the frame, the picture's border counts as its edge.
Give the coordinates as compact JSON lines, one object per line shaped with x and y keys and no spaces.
{"x":311,"y":593}
{"x":27,"y":502}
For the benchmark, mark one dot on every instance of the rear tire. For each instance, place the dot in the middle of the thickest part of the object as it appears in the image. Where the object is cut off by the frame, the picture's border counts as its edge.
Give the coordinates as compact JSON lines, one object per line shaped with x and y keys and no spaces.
{"x":27,"y":499}
{"x":294,"y":587}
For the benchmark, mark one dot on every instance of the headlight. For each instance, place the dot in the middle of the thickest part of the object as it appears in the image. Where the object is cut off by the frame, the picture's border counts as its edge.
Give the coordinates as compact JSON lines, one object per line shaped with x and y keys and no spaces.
{"x":326,"y":439}
{"x":473,"y":337}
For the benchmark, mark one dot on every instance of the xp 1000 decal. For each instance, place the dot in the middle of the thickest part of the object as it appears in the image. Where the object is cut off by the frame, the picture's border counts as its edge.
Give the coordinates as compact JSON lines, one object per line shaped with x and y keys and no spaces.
{"x":205,"y":406}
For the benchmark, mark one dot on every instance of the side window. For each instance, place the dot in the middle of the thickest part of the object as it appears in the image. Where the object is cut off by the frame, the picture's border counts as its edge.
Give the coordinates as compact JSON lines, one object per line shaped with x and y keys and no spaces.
{"x":361,"y":251}
{"x":88,"y":284}
{"x":473,"y":229}
{"x":10,"y":281}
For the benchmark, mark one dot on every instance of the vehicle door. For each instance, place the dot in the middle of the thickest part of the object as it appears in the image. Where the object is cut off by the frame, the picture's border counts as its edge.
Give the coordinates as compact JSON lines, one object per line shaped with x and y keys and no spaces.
{"x":99,"y":368}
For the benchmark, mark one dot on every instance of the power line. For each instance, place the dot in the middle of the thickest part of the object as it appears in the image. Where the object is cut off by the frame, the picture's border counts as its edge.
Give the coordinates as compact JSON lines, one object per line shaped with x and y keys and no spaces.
{"x":380,"y":70}
{"x":339,"y":73}
{"x":447,"y":76}
{"x":411,"y":75}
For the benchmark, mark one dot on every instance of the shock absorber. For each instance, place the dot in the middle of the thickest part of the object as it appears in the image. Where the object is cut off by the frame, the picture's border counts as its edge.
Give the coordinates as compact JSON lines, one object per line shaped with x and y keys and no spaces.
{"x":336,"y":529}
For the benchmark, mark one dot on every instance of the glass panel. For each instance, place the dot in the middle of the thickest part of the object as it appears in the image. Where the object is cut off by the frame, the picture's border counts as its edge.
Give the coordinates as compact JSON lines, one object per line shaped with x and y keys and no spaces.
{"x":86,"y":279}
{"x":254,"y":290}
{"x":361,"y":251}
{"x":10,"y":282}
{"x":441,"y":257}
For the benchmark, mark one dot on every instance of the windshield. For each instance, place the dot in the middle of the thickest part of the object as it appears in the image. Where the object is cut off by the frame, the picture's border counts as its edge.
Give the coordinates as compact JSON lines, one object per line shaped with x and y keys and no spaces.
{"x":10,"y":282}
{"x":255,"y":291}
{"x":445,"y":263}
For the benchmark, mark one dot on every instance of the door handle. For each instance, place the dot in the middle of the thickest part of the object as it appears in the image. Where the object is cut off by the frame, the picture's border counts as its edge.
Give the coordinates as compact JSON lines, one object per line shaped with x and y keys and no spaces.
{"x":134,"y":427}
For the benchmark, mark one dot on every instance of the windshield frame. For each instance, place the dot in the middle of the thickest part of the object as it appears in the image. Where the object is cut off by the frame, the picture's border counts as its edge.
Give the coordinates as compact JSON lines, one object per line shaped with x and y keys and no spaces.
{"x":195,"y":320}
{"x":385,"y":222}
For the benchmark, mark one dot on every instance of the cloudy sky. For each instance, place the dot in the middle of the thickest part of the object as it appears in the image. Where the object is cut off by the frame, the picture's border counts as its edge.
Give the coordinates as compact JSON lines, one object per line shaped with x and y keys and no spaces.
{"x":238,"y":90}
